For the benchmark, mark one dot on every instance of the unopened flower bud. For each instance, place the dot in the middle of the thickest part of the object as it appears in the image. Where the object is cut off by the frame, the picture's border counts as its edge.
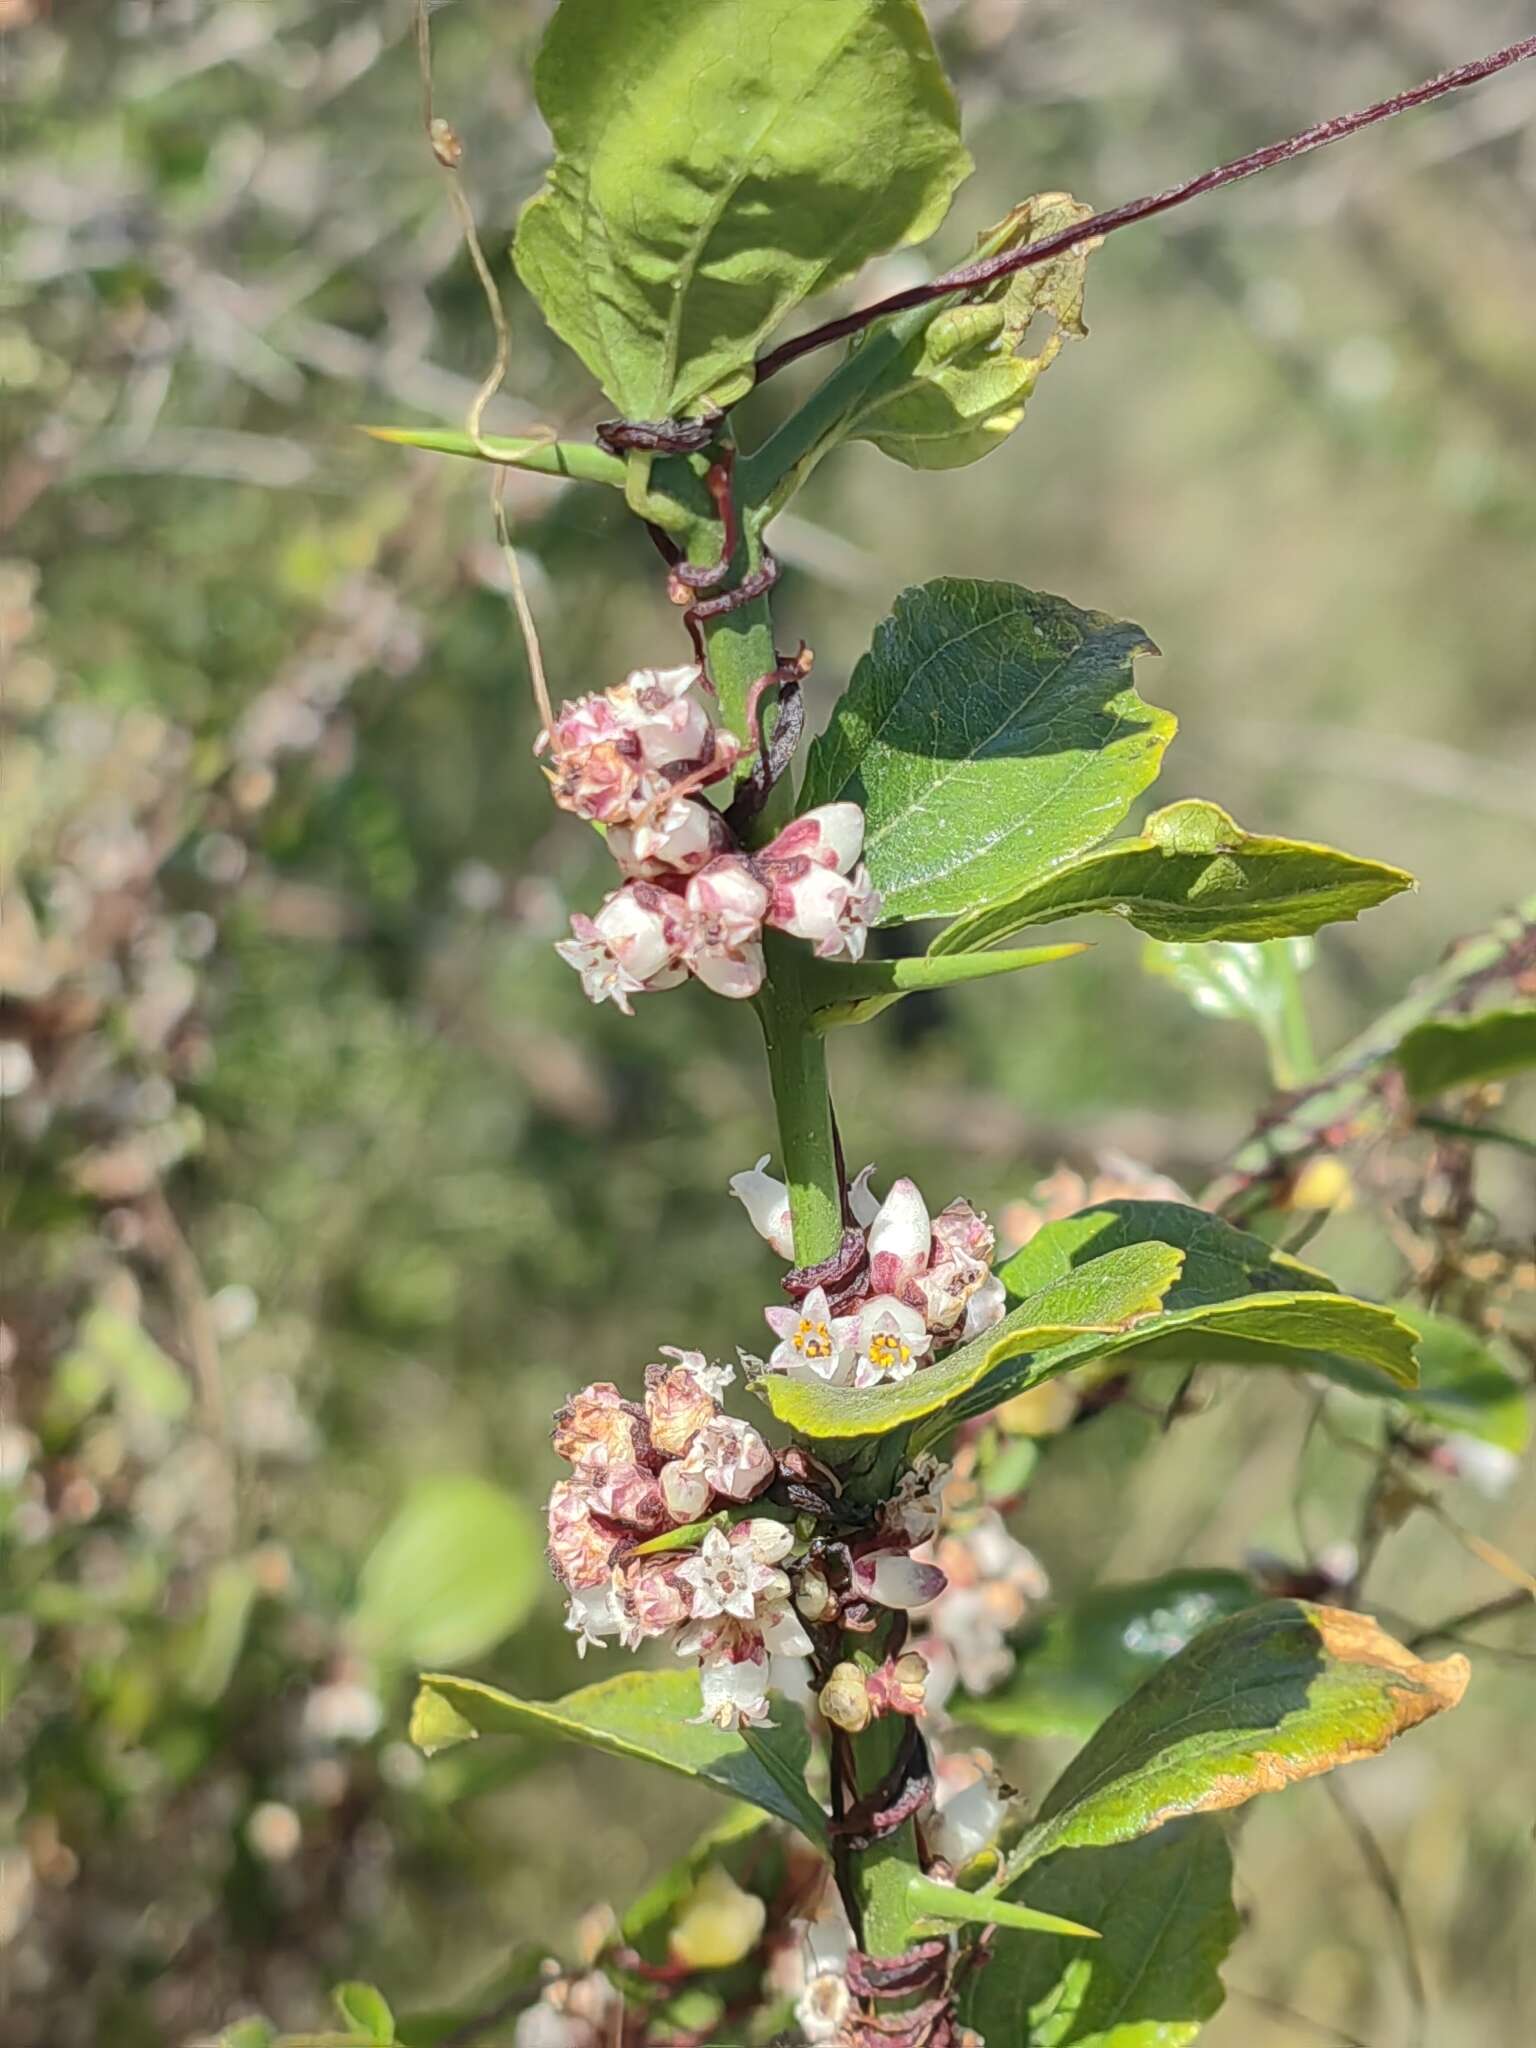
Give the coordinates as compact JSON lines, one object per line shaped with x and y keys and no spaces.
{"x":723,"y":946}
{"x":898,"y":1687}
{"x":766,"y":1201}
{"x":844,"y":1699}
{"x":814,"y":1598}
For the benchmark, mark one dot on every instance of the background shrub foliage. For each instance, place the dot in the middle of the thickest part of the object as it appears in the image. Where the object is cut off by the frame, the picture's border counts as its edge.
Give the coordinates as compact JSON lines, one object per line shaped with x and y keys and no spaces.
{"x":321,"y":1189}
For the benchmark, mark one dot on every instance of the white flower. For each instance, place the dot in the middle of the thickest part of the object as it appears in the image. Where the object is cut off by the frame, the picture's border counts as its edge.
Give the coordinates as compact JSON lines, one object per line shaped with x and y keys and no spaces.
{"x":686,"y":1494}
{"x":985,"y":1308}
{"x":677,"y":836}
{"x":714,"y":1379}
{"x":727,"y":1577}
{"x":591,"y":1614}
{"x":823,"y":2007}
{"x":784,"y":1635}
{"x":831,"y":836}
{"x":861,"y":1202}
{"x":899,"y":1239}
{"x":631,"y":945}
{"x":966,"y":1820}
{"x":892,"y":1579}
{"x":813,"y":1344}
{"x":670,"y":726}
{"x":723,"y":945}
{"x":733,"y":1670}
{"x":891,"y":1342}
{"x":766,"y":1202}
{"x":732,"y":1457}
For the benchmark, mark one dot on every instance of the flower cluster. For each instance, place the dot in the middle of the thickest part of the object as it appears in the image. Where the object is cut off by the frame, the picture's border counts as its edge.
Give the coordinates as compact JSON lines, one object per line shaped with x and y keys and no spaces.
{"x":926,"y":1283}
{"x":737,"y":1590}
{"x":635,"y":760}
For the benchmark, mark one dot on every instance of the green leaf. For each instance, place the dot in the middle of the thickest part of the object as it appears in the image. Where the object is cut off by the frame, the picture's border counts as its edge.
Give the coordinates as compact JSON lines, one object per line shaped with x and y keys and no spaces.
{"x":1221,"y":1262}
{"x":1085,"y":1306}
{"x":929,"y":1900}
{"x":1142,"y":1280}
{"x":645,"y":1714}
{"x":581,"y":461}
{"x":959,"y":387}
{"x":1192,"y":874}
{"x":1075,"y":1667}
{"x":852,"y":993}
{"x":458,"y":1569}
{"x":365,"y":2010}
{"x":1455,"y":1052}
{"x":1164,"y":1910}
{"x":989,"y":734}
{"x":253,"y":2032}
{"x":1278,"y":1693}
{"x":1469,"y":1384}
{"x":717,"y":162}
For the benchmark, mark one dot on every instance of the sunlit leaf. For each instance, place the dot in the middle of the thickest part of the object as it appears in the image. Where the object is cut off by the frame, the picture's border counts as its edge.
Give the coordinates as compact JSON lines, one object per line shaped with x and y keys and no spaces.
{"x":1192,"y":874}
{"x":718,"y":161}
{"x":989,"y":734}
{"x":1163,"y":1907}
{"x":1270,"y":1696}
{"x":458,"y":1568}
{"x":648,"y":1715}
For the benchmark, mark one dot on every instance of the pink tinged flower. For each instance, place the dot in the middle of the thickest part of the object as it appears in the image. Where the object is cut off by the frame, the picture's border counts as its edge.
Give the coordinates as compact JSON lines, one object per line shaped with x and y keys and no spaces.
{"x":892,"y":1342}
{"x":766,"y":1202}
{"x":599,"y":1427}
{"x":677,"y":836}
{"x":677,"y":1406}
{"x":960,"y":1228}
{"x":629,"y":1494}
{"x":651,"y":1597}
{"x":813,"y":1343}
{"x":892,"y":1579}
{"x":899,"y":1686}
{"x":723,"y":942}
{"x":732,"y":1457}
{"x":632,"y":945}
{"x":914,"y":1510}
{"x":831,"y":836}
{"x":670,"y":726}
{"x":687,"y":1494}
{"x":899,"y":1239}
{"x":581,"y":1549}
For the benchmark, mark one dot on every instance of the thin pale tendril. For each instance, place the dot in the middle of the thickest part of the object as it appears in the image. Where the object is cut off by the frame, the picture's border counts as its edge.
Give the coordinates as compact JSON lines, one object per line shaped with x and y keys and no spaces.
{"x":448,"y":151}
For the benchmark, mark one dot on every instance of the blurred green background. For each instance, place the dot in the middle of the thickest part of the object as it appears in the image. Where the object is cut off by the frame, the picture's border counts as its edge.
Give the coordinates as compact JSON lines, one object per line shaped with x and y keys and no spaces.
{"x":320,"y":1183}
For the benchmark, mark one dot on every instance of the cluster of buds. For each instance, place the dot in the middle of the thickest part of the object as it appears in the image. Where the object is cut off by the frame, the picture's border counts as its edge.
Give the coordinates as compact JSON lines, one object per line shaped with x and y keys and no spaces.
{"x":924,"y":1284}
{"x":636,"y":760}
{"x":992,"y":1581}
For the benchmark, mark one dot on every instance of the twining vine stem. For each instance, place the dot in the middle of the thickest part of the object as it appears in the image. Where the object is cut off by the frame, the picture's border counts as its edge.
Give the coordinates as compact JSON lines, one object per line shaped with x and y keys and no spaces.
{"x":975,"y":277}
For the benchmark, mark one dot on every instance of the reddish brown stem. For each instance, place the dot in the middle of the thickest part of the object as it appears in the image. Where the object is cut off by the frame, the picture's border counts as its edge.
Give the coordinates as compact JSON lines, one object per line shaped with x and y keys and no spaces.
{"x":974,"y":277}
